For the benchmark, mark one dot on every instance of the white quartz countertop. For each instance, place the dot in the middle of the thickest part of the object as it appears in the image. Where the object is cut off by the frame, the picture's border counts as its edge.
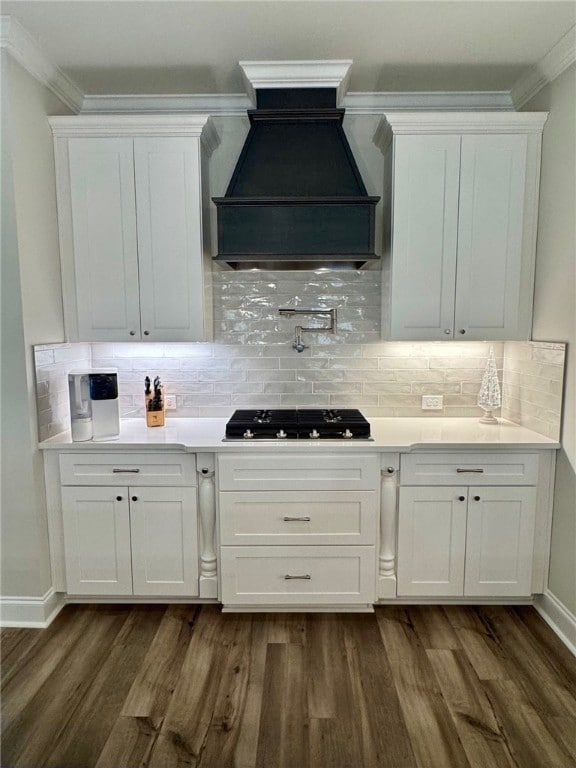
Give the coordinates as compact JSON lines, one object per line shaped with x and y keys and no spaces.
{"x":389,"y":434}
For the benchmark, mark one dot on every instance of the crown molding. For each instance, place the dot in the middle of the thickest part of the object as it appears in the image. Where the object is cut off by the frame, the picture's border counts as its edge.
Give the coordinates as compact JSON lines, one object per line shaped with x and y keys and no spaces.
{"x":559,"y":58}
{"x":383,"y":135}
{"x":355,"y":103}
{"x":24,"y":49}
{"x":296,"y":74}
{"x":216,"y":104}
{"x":447,"y":101}
{"x":196,"y":125}
{"x":283,"y":74}
{"x":457,"y":122}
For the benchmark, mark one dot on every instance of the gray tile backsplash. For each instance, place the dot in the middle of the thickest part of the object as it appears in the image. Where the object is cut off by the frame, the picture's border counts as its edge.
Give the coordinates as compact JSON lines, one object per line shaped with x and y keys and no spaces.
{"x":53,"y":362}
{"x":533,"y":378}
{"x":252,"y":363}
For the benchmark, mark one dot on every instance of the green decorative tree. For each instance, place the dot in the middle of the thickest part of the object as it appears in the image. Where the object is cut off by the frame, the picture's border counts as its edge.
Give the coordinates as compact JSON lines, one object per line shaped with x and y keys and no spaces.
{"x":489,"y":398}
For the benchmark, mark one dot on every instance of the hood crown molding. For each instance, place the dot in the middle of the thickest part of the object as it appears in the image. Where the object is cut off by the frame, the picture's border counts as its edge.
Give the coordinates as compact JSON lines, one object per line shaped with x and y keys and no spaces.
{"x":296,"y":74}
{"x":25,"y":50}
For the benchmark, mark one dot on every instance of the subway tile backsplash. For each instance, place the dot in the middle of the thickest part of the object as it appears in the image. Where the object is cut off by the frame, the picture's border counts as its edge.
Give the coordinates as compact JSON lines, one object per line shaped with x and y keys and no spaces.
{"x":533,"y":379}
{"x":53,"y":362}
{"x":252,"y":363}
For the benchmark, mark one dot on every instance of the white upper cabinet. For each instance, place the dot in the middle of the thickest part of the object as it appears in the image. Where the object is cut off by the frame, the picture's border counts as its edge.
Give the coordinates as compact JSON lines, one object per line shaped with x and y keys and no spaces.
{"x":461,"y":199}
{"x":134,"y":228}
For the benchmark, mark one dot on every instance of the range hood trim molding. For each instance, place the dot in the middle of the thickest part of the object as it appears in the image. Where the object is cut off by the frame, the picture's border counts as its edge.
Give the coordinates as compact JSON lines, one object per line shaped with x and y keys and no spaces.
{"x":297,"y":74}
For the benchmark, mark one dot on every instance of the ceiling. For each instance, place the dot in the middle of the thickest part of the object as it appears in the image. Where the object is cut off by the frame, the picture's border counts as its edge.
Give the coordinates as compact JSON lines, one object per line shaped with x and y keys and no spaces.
{"x":167,"y":47}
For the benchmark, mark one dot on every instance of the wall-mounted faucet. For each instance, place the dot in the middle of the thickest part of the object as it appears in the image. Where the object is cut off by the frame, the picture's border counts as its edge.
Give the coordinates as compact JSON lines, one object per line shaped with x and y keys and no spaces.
{"x":298,"y":343}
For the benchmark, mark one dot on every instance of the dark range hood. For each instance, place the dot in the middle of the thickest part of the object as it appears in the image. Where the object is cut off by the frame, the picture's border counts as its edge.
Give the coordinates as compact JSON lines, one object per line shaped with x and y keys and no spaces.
{"x":296,"y":198}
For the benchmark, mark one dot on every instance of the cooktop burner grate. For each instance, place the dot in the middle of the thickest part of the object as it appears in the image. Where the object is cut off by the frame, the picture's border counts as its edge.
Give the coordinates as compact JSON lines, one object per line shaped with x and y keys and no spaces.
{"x":298,"y":424}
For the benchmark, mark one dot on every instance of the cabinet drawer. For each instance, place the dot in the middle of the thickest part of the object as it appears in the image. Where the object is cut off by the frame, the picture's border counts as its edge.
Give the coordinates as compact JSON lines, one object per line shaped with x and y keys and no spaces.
{"x":469,"y":469}
{"x":298,"y":575}
{"x":325,"y":472}
{"x":132,"y":469}
{"x":298,"y":517}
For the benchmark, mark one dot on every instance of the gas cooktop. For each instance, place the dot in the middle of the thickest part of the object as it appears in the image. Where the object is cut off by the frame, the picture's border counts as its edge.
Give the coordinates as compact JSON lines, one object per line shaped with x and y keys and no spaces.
{"x":298,"y":424}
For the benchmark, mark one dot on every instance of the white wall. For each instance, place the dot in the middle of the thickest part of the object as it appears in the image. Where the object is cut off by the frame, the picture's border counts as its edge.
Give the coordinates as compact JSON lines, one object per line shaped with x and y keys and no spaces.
{"x":554,"y":306}
{"x":32,"y":312}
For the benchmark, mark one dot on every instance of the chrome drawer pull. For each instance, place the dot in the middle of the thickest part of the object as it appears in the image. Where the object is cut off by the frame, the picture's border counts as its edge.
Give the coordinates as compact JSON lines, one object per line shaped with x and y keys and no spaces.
{"x":306,"y":576}
{"x":296,"y":519}
{"x":460,"y":471}
{"x":119,"y":470}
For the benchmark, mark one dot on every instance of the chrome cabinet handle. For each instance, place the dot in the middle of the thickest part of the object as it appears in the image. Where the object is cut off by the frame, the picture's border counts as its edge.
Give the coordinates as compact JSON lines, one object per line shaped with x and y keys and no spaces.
{"x":306,"y":577}
{"x":296,"y":519}
{"x":463,"y":471}
{"x":121,"y":470}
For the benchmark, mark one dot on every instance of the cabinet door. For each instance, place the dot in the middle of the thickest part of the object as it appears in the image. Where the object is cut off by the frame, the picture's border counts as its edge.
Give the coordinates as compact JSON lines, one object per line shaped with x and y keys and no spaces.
{"x":169,"y":238}
{"x":490,"y":232}
{"x":500,"y":541}
{"x":431,"y":541}
{"x":97,"y":541}
{"x":426,"y":173}
{"x":104,"y":235}
{"x":164,"y":524}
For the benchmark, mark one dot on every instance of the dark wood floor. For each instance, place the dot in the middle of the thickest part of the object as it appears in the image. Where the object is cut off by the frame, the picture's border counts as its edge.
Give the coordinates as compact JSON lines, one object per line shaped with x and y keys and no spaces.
{"x":168,"y":687}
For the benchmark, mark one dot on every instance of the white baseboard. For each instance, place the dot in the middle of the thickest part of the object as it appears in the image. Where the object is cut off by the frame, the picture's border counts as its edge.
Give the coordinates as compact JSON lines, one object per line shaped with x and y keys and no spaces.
{"x":558,"y":617}
{"x":30,"y":612}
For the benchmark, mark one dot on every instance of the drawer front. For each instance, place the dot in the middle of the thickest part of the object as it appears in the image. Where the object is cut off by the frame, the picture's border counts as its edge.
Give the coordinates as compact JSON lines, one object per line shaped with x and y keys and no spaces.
{"x":298,"y":575}
{"x":469,"y":469}
{"x":298,"y":517}
{"x":131,"y":469}
{"x":265,"y":472}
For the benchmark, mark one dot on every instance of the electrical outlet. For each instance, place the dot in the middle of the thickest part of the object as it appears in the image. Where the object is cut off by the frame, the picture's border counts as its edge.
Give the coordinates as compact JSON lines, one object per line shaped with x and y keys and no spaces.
{"x":170,"y":403}
{"x":432,"y":402}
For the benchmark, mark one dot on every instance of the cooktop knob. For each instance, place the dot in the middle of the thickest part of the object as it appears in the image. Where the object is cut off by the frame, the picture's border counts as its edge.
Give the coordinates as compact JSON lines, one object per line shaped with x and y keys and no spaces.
{"x":348,"y":434}
{"x":248,"y":434}
{"x":314,"y":433}
{"x":281,"y":434}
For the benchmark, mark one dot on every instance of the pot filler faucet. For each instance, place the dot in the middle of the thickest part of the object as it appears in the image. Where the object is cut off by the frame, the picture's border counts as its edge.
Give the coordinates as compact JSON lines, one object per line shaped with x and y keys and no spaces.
{"x":298,"y":344}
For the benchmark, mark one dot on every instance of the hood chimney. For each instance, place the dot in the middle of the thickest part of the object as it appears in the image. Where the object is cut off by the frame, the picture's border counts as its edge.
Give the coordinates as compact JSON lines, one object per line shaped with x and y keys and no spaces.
{"x":296,"y":198}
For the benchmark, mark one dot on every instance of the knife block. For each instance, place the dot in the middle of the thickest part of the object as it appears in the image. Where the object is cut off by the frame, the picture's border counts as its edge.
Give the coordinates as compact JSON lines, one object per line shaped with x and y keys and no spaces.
{"x":155,"y":418}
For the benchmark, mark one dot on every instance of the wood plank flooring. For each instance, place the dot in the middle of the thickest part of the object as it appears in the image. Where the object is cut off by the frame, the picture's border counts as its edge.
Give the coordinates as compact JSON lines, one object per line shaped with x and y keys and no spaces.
{"x":187,"y":686}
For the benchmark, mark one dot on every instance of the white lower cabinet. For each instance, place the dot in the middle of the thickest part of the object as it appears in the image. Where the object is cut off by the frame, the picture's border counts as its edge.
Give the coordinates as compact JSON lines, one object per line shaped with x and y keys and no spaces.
{"x":298,"y":530}
{"x":466,"y":541}
{"x":130,"y":540}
